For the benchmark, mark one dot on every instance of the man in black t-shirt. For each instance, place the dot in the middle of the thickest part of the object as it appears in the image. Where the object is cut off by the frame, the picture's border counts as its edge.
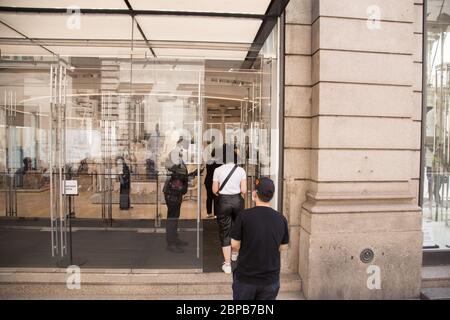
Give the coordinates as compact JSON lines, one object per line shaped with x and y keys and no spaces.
{"x":258,"y":235}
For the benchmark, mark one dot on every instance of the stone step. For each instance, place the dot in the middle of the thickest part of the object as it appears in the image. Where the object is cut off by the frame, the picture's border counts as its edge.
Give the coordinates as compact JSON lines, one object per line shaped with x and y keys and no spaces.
{"x":435,"y":294}
{"x":114,"y":283}
{"x":436,"y":277}
{"x":23,"y":293}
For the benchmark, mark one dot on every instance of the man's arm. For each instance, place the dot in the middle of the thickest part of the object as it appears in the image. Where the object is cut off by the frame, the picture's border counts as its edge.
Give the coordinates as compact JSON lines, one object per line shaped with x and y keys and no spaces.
{"x":236,"y":234}
{"x":235,"y":245}
{"x":285,"y":240}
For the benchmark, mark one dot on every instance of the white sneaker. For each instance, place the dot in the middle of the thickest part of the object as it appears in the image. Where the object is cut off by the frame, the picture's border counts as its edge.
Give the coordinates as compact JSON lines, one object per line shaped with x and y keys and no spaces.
{"x":226,"y":267}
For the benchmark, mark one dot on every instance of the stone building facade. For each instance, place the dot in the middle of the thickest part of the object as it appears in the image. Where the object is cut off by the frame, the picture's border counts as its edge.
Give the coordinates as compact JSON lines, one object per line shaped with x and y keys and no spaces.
{"x":352,"y":138}
{"x":352,"y":150}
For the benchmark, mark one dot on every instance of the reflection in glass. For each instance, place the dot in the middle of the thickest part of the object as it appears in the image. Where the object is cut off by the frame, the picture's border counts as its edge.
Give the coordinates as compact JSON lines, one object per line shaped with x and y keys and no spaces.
{"x":121,"y":120}
{"x":436,"y":199}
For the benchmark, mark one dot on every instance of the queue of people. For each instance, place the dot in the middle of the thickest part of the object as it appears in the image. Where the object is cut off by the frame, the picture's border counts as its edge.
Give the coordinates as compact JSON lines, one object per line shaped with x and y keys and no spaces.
{"x":252,"y":237}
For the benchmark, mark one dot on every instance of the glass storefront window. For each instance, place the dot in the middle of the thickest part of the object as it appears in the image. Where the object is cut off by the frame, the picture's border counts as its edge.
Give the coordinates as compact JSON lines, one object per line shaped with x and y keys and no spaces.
{"x":436,"y":184}
{"x":106,"y":124}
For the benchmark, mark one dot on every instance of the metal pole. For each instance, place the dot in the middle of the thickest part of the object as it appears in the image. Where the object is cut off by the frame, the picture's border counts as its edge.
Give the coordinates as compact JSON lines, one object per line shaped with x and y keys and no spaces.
{"x":12,"y":181}
{"x":199,"y":155}
{"x":15,"y":189}
{"x":52,"y":213}
{"x":70,"y":241}
{"x":64,"y":149}
{"x":250,"y":153}
{"x":110,"y":140}
{"x":157,"y":218}
{"x":60,"y":160}
{"x":8,"y":178}
{"x":102,"y":165}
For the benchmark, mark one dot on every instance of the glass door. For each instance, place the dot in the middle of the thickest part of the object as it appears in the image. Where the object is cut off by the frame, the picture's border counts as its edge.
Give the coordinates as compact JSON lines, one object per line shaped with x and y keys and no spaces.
{"x":60,"y":201}
{"x":25,"y":162}
{"x":127,"y":123}
{"x":84,"y":150}
{"x":85,"y":144}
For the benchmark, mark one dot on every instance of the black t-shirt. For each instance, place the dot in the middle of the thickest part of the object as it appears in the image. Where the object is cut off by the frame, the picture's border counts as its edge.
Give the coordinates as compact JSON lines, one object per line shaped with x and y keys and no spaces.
{"x":261,"y":231}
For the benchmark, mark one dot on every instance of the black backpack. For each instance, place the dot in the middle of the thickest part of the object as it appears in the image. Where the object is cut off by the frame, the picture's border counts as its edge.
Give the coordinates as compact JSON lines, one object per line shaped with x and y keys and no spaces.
{"x":177,"y":183}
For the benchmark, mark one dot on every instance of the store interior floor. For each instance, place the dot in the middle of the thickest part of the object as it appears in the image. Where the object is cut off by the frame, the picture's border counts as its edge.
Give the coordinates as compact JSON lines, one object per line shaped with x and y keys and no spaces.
{"x":87,"y":204}
{"x":438,"y":219}
{"x":130,"y":240}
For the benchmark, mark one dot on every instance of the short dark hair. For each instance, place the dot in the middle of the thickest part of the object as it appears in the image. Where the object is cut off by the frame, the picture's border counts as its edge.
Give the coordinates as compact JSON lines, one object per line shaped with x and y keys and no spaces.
{"x":228,"y":154}
{"x":265,"y":188}
{"x":264,"y":198}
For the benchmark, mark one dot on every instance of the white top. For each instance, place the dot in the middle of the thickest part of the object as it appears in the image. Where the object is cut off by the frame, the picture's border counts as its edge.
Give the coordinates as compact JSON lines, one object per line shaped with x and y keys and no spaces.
{"x":233,"y":185}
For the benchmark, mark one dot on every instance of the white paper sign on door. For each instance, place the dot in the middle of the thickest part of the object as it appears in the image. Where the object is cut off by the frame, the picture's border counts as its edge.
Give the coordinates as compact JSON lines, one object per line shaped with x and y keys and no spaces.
{"x":428,"y":239}
{"x":71,"y":188}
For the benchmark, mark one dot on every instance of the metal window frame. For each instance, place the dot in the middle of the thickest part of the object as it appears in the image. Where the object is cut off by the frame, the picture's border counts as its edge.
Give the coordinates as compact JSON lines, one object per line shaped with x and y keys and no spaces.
{"x":281,"y":72}
{"x":274,"y":11}
{"x":424,"y":103}
{"x":139,"y":12}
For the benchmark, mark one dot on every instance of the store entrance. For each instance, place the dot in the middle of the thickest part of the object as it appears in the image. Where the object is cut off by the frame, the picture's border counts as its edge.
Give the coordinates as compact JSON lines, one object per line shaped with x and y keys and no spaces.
{"x":84,"y":167}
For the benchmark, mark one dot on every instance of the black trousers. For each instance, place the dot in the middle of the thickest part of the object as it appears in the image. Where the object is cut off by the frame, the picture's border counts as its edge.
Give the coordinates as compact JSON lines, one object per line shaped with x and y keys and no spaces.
{"x":228,"y":208}
{"x":246,"y":291}
{"x":211,"y":200}
{"x":173,"y":203}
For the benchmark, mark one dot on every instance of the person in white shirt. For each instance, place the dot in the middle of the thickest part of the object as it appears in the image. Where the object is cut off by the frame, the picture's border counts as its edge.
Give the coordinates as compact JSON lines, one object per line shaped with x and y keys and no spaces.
{"x":230,"y":185}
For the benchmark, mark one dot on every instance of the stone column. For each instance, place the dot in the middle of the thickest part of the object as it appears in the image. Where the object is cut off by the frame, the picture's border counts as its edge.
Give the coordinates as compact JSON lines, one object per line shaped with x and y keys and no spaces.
{"x":297,"y":121}
{"x":364,"y":151}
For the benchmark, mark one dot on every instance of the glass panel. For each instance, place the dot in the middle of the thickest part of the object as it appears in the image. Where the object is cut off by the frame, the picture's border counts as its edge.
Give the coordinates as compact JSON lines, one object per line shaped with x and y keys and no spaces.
{"x":247,"y":6}
{"x":242,"y":109}
{"x":24,"y":160}
{"x":25,"y":140}
{"x":121,"y":123}
{"x":199,"y":53}
{"x":436,"y":223}
{"x":123,"y":117}
{"x":75,"y":26}
{"x":199,"y":28}
{"x":86,"y":4}
{"x":270,"y":115}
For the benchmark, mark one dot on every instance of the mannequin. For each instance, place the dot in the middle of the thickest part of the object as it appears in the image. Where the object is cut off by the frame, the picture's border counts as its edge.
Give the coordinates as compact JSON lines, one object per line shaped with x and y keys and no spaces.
{"x":23,"y":171}
{"x":125,"y":185}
